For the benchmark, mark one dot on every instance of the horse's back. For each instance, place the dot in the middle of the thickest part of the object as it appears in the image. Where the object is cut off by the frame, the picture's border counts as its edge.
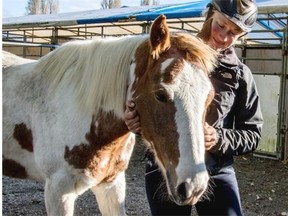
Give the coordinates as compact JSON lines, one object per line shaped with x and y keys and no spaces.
{"x":9,"y":59}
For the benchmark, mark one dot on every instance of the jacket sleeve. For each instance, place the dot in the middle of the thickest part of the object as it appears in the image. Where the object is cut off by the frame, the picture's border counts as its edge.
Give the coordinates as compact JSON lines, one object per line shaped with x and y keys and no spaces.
{"x":248,"y":121}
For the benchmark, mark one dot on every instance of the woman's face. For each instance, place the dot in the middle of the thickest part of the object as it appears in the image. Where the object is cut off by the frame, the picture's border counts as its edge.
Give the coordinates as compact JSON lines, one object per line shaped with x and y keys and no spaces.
{"x":224,"y":33}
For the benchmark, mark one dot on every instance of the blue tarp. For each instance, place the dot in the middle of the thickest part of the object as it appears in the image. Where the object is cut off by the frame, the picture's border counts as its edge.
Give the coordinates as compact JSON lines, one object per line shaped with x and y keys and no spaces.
{"x":192,"y":9}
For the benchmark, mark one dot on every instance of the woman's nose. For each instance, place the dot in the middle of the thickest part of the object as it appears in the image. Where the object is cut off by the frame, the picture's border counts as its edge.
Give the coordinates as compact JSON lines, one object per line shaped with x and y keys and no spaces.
{"x":224,"y":35}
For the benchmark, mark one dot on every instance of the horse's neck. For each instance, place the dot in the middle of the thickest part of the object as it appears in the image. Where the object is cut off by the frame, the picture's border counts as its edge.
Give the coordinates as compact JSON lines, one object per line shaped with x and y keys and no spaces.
{"x":97,"y":71}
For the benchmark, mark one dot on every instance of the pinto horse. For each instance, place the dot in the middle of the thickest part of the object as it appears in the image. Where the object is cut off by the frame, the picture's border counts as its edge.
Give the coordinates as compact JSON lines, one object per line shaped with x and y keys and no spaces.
{"x":63,"y":116}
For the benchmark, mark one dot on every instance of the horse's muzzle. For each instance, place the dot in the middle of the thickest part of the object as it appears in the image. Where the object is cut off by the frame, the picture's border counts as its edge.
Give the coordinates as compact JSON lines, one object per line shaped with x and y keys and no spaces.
{"x":188,"y":192}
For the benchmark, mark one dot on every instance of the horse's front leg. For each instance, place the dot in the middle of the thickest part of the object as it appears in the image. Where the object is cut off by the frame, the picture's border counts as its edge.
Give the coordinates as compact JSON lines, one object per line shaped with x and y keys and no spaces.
{"x":111,"y":196}
{"x":61,"y":193}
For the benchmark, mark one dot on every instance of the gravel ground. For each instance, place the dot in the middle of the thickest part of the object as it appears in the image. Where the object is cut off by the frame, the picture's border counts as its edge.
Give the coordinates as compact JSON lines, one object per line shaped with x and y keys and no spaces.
{"x":263,"y":185}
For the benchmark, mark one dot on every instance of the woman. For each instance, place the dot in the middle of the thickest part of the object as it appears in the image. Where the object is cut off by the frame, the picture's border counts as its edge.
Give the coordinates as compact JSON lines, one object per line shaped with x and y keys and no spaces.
{"x":233,"y":122}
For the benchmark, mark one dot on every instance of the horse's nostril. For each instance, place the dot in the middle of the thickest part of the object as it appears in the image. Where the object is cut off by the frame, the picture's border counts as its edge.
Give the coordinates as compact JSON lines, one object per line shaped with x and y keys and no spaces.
{"x":184,"y":190}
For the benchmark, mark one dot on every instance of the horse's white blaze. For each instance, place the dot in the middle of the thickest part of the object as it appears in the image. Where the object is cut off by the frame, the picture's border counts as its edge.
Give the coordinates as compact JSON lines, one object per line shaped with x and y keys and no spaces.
{"x":193,"y":90}
{"x":166,"y":64}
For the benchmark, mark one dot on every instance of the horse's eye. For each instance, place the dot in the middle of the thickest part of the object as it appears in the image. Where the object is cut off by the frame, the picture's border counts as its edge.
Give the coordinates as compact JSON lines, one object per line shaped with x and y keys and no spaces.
{"x":160,"y":96}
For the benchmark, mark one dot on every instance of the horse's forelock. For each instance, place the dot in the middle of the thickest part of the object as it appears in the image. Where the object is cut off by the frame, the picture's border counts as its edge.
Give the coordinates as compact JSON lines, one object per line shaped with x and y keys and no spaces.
{"x":197,"y":50}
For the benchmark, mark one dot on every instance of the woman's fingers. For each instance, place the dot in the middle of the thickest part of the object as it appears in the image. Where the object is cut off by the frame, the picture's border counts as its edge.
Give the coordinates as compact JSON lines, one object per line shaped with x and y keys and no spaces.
{"x":131,"y":118}
{"x":209,"y":136}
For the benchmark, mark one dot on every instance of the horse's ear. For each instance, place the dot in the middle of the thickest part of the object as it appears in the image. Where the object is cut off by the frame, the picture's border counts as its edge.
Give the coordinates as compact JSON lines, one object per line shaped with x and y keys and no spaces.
{"x":159,"y":37}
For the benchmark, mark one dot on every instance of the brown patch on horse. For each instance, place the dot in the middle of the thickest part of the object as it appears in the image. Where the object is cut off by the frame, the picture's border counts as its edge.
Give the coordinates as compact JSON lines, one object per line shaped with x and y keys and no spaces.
{"x":13,"y":169}
{"x":142,"y":55}
{"x":207,"y":103}
{"x":24,"y":136}
{"x":102,"y":155}
{"x":157,"y":124}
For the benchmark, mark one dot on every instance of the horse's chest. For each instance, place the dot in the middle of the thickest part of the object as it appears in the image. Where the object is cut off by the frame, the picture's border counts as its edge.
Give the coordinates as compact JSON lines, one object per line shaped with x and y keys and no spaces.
{"x":102,"y":161}
{"x":112,"y":160}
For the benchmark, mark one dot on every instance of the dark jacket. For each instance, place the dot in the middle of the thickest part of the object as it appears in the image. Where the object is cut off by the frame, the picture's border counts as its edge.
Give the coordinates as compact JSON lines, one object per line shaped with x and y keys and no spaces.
{"x":235,"y":112}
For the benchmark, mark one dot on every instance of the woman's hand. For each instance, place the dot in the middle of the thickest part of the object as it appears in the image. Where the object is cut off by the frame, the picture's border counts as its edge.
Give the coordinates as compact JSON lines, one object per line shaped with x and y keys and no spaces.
{"x":131,"y":117}
{"x":210,"y":136}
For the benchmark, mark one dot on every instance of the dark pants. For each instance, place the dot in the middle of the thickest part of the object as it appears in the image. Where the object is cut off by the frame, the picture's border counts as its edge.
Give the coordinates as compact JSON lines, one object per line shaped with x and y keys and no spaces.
{"x":222,"y":199}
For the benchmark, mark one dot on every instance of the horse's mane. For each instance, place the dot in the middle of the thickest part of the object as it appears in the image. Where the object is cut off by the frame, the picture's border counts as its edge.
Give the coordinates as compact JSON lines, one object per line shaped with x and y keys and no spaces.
{"x":97,"y":70}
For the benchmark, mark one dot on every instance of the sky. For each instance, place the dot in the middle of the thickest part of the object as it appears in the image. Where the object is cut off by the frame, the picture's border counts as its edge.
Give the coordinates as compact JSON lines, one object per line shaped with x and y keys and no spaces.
{"x":13,"y":8}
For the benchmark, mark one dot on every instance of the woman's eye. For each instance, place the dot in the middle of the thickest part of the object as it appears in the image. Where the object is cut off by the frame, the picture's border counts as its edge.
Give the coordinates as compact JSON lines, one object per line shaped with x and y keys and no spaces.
{"x":161,"y":97}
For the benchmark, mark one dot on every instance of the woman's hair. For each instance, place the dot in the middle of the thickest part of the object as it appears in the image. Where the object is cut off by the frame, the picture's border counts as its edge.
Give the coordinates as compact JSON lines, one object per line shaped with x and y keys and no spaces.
{"x":205,"y":31}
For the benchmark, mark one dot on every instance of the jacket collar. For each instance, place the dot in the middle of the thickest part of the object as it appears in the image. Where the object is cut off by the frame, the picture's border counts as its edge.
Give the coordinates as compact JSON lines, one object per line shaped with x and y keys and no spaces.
{"x":229,"y":57}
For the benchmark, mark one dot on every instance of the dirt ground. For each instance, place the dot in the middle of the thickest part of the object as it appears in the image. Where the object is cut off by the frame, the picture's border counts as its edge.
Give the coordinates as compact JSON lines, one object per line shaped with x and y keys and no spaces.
{"x":263,"y":185}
